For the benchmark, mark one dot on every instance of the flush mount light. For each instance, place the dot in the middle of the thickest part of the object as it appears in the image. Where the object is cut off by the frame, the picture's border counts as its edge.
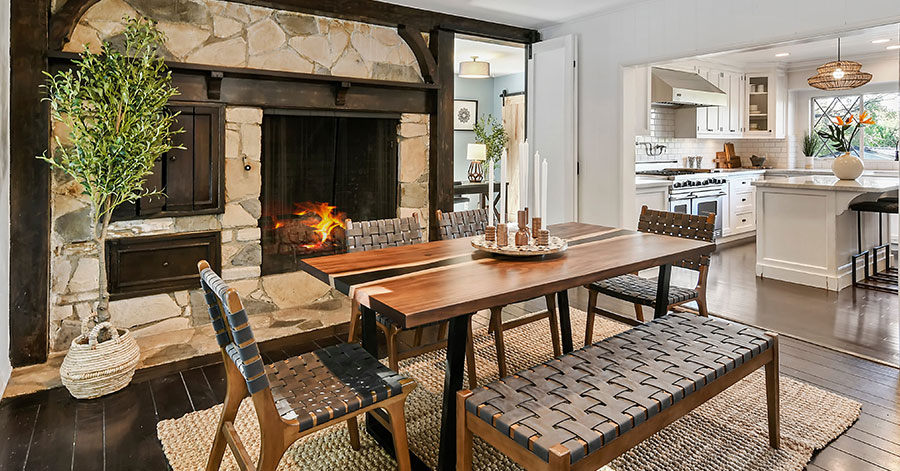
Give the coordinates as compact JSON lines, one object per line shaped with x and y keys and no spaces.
{"x":475,"y":69}
{"x":839,"y":75}
{"x":891,"y":48}
{"x":881,"y":41}
{"x":782,"y":54}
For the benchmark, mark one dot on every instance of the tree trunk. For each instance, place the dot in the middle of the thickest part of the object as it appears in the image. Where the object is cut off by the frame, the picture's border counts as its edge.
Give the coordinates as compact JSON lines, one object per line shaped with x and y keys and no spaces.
{"x":103,"y":289}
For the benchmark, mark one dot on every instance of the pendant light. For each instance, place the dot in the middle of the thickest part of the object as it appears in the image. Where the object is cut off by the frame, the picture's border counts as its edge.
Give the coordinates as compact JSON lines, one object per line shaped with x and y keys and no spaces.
{"x":839,"y":74}
{"x":475,"y":69}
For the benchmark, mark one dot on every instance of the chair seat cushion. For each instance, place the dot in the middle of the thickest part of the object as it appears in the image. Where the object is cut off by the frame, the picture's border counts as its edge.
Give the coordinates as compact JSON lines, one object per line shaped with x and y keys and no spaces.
{"x":634,"y":289}
{"x":328,"y":383}
{"x":588,"y":398}
{"x":883,"y":205}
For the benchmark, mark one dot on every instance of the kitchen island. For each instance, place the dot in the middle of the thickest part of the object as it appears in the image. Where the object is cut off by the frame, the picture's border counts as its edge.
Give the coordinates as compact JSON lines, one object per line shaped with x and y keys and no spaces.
{"x":806,"y":233}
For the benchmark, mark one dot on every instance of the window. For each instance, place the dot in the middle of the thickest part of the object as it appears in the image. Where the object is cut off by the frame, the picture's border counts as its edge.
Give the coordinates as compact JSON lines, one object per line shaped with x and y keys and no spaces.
{"x":876,"y":141}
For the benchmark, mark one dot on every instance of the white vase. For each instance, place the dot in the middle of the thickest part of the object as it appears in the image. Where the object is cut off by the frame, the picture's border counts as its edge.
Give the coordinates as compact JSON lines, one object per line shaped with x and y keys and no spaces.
{"x":847,"y":167}
{"x":810,"y":161}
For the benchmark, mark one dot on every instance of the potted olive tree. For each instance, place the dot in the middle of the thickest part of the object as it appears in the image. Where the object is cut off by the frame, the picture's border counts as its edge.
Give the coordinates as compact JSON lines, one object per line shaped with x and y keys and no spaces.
{"x":114,"y":105}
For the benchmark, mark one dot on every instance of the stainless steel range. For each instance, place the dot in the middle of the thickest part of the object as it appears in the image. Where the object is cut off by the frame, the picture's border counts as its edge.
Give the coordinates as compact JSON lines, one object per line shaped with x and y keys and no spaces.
{"x":692,"y":192}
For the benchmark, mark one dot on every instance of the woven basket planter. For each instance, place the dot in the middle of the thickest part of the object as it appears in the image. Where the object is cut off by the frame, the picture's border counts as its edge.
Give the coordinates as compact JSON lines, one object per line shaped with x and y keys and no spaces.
{"x":92,"y":369}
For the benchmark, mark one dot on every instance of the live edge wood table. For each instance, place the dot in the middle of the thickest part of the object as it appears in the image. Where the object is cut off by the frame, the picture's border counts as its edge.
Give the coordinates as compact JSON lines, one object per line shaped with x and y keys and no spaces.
{"x":448,"y":280}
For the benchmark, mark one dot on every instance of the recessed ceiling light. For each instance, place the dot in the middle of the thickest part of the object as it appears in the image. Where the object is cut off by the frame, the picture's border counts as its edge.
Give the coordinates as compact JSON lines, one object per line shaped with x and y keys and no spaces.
{"x":782,"y":54}
{"x":891,"y":48}
{"x":880,"y":41}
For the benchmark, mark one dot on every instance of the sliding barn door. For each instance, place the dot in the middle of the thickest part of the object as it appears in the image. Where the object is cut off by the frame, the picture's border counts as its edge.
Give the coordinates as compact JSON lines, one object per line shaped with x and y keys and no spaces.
{"x":552,"y":124}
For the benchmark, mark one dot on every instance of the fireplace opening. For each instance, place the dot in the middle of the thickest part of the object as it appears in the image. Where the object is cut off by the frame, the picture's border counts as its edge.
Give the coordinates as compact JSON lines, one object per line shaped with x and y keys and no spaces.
{"x":317,"y":170}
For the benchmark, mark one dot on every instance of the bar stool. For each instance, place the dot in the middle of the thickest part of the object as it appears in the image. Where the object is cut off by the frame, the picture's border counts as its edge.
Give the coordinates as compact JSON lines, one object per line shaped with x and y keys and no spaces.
{"x":879,"y":280}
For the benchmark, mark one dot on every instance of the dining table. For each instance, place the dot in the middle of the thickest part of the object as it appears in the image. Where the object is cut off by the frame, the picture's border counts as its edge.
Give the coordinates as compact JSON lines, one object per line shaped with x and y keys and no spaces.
{"x":450,"y":280}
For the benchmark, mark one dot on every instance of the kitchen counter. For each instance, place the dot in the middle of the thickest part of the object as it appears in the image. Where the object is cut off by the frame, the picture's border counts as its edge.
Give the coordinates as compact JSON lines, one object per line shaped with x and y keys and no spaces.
{"x":862,"y":184}
{"x":805,"y":232}
{"x":644,"y":182}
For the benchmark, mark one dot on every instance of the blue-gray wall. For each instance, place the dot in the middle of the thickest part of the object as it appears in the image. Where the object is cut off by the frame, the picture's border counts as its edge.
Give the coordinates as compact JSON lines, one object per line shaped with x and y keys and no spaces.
{"x":487,"y":93}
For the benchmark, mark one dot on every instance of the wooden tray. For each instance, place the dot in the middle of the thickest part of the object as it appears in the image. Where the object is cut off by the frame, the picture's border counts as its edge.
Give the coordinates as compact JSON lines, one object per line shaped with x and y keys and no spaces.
{"x":556,"y":245}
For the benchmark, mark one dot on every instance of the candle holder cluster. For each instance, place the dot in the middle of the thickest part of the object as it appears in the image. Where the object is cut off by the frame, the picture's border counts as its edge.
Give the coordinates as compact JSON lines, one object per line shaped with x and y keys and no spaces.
{"x":523,"y":242}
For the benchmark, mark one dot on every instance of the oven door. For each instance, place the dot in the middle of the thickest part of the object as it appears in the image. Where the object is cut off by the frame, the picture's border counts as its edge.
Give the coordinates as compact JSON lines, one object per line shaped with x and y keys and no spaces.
{"x":710,"y":203}
{"x":680,"y":203}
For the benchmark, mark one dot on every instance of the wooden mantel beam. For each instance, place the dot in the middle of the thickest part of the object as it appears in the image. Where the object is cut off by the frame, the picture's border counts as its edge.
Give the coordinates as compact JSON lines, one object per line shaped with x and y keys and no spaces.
{"x":424,"y":57}
{"x":63,"y":22}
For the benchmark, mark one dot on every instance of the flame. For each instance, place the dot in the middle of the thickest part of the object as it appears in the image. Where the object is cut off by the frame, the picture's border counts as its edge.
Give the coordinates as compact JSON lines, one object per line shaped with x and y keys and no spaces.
{"x":328,"y":221}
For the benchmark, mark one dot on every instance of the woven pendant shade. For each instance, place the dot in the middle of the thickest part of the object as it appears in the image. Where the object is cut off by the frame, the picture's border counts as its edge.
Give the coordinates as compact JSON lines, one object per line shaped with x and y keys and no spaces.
{"x":839,"y":75}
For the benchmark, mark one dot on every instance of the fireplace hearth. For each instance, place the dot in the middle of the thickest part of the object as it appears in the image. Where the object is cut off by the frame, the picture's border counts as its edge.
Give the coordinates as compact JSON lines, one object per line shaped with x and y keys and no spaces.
{"x":318,"y":170}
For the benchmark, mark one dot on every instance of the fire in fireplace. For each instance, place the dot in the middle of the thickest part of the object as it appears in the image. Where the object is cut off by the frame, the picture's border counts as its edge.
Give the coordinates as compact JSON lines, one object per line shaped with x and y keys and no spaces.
{"x":317,"y":170}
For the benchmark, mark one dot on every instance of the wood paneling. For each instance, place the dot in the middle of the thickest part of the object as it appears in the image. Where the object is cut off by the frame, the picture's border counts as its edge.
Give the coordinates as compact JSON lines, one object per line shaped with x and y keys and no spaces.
{"x":139,"y":266}
{"x":30,"y":185}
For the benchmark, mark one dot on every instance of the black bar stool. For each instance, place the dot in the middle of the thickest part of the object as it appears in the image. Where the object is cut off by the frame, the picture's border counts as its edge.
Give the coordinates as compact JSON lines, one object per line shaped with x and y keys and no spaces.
{"x":885,"y":280}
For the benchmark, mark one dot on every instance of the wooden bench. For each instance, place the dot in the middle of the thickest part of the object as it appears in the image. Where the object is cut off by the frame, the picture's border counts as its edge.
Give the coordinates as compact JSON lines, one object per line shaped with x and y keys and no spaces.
{"x":582,"y":410}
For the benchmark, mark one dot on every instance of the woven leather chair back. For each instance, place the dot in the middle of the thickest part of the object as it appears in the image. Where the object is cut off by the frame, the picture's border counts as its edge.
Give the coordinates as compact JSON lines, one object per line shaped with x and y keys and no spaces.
{"x":462,"y":223}
{"x":680,"y":225}
{"x":233,"y":332}
{"x":380,"y":233}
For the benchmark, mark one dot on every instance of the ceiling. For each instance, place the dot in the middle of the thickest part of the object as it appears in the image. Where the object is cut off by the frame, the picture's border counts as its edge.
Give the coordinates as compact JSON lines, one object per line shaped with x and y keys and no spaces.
{"x":533,"y":14}
{"x":505,"y":60}
{"x":854,"y":46}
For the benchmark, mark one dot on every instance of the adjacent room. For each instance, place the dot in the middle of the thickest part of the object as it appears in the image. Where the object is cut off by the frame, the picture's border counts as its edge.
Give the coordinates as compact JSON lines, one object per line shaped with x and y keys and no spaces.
{"x":441,"y":235}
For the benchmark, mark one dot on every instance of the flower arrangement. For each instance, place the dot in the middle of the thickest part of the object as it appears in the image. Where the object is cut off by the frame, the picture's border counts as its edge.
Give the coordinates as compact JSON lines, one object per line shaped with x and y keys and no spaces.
{"x":490,"y":132}
{"x":836,"y":134}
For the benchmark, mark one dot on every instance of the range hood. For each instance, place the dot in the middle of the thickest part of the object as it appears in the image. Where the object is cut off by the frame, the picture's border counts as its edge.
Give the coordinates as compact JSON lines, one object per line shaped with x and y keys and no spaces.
{"x":677,"y":89}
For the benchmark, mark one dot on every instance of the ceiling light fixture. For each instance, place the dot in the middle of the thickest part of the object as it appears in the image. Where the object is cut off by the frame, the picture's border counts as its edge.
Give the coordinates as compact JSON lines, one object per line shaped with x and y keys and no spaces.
{"x":891,"y":48}
{"x":475,"y":69}
{"x":881,"y":41}
{"x":839,"y":74}
{"x":782,"y":54}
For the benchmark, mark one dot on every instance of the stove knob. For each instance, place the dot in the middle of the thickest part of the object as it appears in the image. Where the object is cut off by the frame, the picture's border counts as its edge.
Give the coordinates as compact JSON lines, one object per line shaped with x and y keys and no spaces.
{"x":676,"y":185}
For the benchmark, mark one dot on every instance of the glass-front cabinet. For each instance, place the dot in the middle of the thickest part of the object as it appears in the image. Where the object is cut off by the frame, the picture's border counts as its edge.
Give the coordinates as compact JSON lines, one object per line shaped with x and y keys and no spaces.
{"x":765,"y":110}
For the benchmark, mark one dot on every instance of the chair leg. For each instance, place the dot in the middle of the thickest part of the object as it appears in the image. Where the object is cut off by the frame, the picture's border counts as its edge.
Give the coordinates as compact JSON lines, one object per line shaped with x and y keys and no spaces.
{"x":236,"y":391}
{"x":497,"y":324}
{"x":270,"y":454}
{"x":463,"y":434}
{"x":589,"y":325}
{"x":639,"y":312}
{"x":353,"y":429}
{"x":442,"y":331}
{"x":554,"y":324}
{"x":392,"y":348}
{"x":470,"y":357}
{"x":417,"y":339}
{"x":701,"y":306}
{"x":398,"y":430}
{"x":773,"y":398}
{"x":355,"y":316}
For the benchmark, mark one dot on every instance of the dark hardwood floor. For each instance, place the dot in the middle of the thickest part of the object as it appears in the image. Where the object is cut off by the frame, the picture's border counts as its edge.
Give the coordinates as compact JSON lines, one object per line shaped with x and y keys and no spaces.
{"x":51,"y":431}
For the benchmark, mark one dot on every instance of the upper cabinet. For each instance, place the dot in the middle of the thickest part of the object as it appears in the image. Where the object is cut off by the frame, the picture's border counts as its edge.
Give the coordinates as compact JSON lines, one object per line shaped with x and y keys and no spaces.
{"x":766,"y":100}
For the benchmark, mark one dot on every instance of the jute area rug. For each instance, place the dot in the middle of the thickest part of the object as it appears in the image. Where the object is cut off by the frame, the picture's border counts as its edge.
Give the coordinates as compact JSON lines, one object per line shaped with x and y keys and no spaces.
{"x":729,"y":432}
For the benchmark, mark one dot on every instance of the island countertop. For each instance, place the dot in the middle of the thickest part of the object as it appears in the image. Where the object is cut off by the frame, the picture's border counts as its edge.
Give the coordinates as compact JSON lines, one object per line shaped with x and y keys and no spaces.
{"x":865,"y":184}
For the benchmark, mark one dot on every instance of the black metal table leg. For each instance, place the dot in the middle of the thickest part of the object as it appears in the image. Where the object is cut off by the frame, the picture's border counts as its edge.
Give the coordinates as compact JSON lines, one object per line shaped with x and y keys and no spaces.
{"x":453,"y":380}
{"x":662,"y":291}
{"x":565,"y":321}
{"x":373,"y":427}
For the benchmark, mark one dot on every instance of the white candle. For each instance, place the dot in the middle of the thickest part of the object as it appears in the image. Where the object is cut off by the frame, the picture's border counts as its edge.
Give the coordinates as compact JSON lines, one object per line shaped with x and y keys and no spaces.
{"x":490,"y":192}
{"x":503,"y":178}
{"x":535,"y":207}
{"x":544,"y":192}
{"x":523,"y":175}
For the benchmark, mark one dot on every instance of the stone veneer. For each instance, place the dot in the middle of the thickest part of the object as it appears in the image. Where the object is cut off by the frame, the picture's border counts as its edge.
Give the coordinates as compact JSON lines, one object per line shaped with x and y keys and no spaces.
{"x":174,"y":325}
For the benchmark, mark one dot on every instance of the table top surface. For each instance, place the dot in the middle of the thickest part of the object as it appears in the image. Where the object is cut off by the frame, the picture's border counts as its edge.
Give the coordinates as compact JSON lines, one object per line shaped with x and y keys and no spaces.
{"x":863,"y":184}
{"x":418,"y":284}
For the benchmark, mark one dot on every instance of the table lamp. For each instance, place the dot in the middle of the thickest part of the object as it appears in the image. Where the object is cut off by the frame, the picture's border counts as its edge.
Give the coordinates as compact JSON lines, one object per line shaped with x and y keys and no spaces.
{"x":476,"y":153}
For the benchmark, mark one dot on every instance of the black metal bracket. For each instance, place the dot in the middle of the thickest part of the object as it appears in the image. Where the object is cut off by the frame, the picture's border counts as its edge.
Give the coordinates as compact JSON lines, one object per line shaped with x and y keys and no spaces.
{"x":214,"y":85}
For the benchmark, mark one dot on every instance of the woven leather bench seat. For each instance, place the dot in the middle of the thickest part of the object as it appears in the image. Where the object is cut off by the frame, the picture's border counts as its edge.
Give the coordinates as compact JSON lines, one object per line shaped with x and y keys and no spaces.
{"x":587,"y":399}
{"x":328,"y":383}
{"x":634,"y":289}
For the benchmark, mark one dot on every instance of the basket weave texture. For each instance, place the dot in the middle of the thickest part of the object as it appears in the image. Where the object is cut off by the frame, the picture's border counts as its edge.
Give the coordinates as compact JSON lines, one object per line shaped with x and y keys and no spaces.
{"x":92,"y":369}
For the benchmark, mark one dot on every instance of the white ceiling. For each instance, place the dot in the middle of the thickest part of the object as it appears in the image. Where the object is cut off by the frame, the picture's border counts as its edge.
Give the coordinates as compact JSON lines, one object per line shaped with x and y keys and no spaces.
{"x":815,"y":52}
{"x":533,"y":14}
{"x":505,"y":60}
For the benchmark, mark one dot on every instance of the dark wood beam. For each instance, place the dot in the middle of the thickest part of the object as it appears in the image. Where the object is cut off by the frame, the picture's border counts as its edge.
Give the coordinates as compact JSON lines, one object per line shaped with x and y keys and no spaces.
{"x":416,"y":42}
{"x":440,"y":161}
{"x":29,"y":251}
{"x":367,"y":11}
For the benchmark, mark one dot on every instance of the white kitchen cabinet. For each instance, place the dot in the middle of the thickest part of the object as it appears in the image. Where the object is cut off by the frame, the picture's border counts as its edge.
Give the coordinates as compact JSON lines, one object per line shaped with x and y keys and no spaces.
{"x":654,"y":197}
{"x":741,"y":204}
{"x":765,"y":112}
{"x":736,"y":104}
{"x":715,"y":121}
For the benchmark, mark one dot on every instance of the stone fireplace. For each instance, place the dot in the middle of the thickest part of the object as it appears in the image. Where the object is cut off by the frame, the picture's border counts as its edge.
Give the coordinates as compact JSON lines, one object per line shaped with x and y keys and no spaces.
{"x":391,"y":181}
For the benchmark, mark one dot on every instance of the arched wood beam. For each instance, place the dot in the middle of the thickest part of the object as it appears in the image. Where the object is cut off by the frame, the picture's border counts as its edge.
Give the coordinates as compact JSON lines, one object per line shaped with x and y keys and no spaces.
{"x":63,"y":22}
{"x":416,"y":42}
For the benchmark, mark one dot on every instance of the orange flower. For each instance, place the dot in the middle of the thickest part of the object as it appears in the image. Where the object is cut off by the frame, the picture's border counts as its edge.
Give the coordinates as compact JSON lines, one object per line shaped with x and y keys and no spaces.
{"x":840,"y":121}
{"x":865,"y":119}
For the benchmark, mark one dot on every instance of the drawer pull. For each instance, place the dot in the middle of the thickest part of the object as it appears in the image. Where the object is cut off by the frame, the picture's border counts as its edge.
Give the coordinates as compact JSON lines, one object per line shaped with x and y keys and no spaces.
{"x":743,"y":220}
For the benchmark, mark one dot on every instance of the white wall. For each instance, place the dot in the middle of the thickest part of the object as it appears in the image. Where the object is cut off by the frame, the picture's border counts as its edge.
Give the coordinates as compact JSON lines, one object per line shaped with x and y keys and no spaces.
{"x":664,"y":30}
{"x":5,"y":368}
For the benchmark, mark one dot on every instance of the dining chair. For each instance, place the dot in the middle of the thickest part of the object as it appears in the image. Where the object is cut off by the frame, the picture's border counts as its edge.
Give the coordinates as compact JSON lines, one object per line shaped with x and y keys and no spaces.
{"x":363,"y":236}
{"x":297,"y":396}
{"x":458,"y":224}
{"x":642,"y":291}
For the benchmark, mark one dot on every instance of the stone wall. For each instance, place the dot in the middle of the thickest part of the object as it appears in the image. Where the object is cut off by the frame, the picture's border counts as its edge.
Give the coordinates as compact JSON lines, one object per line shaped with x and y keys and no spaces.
{"x":174,"y":325}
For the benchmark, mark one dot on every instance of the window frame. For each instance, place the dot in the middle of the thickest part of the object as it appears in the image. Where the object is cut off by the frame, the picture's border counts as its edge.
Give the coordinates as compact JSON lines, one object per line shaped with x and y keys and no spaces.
{"x":861,"y":99}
